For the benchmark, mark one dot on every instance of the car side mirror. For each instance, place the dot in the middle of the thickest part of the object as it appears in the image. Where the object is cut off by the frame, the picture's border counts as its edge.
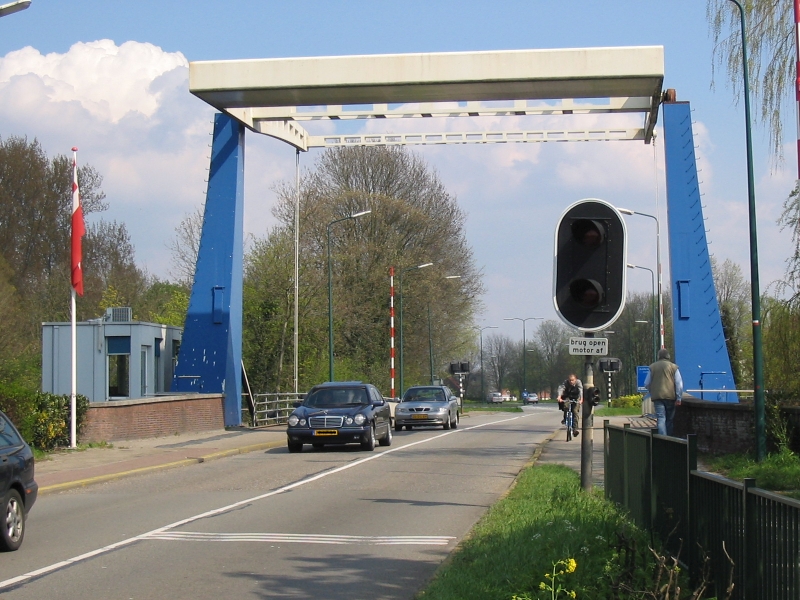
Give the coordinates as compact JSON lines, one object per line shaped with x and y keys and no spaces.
{"x":297,"y":403}
{"x":379,"y":402}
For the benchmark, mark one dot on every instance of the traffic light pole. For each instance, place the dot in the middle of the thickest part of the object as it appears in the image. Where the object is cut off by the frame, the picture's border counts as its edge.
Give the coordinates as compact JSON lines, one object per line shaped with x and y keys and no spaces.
{"x":587,"y":423}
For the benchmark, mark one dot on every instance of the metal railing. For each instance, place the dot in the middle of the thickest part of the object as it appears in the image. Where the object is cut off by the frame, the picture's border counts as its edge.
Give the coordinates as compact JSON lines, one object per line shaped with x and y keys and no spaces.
{"x":269,"y":409}
{"x":751,"y":536}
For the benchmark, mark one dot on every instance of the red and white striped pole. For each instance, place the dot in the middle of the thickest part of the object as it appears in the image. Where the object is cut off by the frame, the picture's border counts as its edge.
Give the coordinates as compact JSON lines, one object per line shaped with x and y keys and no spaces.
{"x":797,"y":75}
{"x":391,"y":328}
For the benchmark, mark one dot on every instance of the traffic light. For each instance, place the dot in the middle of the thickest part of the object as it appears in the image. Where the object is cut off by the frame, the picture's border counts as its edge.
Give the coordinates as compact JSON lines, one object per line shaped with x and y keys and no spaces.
{"x":589,"y":265}
{"x":592,"y":395}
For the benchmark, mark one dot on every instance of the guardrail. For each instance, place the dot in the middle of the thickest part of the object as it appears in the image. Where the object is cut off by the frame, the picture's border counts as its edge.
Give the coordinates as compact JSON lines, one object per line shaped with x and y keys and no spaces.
{"x":751,"y":536}
{"x":270,"y":409}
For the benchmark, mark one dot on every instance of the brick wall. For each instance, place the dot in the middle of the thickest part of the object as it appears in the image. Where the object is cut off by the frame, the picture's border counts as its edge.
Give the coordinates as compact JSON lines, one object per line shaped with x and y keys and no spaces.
{"x":720,"y":427}
{"x":152,"y":417}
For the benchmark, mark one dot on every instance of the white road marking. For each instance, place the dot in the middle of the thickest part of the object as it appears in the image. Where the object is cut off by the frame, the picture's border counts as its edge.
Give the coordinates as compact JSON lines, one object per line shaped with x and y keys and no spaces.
{"x":381,"y":540}
{"x":291,"y":486}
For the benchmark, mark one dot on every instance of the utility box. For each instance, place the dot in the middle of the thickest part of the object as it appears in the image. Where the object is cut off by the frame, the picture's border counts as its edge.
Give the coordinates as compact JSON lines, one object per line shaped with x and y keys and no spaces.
{"x":117,"y":358}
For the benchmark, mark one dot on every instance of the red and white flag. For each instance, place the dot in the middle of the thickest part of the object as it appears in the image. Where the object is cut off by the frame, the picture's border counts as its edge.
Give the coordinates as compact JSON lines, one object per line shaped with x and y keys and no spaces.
{"x":78,"y":228}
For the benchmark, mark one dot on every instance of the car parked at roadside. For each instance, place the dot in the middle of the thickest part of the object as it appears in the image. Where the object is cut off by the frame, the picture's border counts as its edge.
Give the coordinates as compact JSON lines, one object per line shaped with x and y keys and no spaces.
{"x":340,"y":412}
{"x":427,"y":405}
{"x":495,"y":397}
{"x":18,"y":489}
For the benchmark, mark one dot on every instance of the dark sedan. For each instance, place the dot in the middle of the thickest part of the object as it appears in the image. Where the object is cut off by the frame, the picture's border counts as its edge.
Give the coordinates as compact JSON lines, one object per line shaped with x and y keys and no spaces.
{"x":427,"y":405}
{"x":18,"y":488}
{"x":347,"y":412}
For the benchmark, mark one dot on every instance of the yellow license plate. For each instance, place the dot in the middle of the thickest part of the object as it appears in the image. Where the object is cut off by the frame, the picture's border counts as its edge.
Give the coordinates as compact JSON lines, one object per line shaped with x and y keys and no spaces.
{"x":319,"y":432}
{"x":419,"y":416}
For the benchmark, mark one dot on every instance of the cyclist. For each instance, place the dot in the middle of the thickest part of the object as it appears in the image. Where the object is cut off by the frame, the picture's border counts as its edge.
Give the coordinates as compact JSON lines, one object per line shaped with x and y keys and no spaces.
{"x":572,"y":391}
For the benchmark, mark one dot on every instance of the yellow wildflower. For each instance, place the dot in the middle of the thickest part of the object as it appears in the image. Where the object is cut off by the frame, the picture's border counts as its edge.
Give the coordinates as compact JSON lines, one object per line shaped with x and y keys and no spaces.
{"x":571,"y":565}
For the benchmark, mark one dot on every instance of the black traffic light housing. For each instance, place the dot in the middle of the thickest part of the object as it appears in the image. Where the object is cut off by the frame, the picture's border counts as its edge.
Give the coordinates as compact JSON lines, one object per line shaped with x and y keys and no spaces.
{"x":610,"y":365}
{"x":592,"y":395}
{"x":590,"y":264}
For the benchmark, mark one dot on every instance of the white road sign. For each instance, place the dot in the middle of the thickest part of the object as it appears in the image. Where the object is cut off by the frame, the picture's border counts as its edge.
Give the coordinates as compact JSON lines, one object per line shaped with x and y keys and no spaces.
{"x":585,"y":345}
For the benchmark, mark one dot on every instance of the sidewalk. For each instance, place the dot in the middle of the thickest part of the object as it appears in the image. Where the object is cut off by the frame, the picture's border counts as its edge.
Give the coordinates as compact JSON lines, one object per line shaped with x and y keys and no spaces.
{"x":557,"y":450}
{"x":76,"y":468}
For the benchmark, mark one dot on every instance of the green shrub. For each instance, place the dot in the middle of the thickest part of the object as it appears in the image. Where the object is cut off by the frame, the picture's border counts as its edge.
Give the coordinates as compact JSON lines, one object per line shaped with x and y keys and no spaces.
{"x":42,"y":418}
{"x":631,"y":401}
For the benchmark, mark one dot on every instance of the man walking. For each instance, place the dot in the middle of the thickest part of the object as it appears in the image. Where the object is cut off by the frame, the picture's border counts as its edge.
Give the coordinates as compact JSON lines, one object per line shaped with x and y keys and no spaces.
{"x":665,"y":384}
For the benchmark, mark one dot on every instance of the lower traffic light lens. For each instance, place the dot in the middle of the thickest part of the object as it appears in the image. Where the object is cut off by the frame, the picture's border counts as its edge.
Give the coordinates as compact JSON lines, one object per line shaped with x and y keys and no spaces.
{"x":586,"y":292}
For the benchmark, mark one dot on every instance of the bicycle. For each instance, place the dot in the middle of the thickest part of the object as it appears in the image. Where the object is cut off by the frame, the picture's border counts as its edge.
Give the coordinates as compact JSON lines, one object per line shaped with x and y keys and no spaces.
{"x":569,"y":419}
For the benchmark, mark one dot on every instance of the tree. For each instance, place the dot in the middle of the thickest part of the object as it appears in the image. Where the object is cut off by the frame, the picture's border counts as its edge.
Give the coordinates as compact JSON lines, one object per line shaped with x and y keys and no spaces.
{"x":414,"y":220}
{"x":185,"y":247}
{"x":502,"y":357}
{"x":771,"y":56}
{"x":733,"y":297}
{"x":552,"y":341}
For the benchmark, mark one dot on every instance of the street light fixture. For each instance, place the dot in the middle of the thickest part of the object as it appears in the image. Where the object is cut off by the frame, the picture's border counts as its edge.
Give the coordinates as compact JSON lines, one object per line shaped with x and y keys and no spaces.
{"x":524,"y":379}
{"x":628,"y":211}
{"x":758,"y":358}
{"x":12,"y":7}
{"x":402,"y":389}
{"x":330,"y":288}
{"x":653,"y":292}
{"x":430,"y":327}
{"x":480,"y":329}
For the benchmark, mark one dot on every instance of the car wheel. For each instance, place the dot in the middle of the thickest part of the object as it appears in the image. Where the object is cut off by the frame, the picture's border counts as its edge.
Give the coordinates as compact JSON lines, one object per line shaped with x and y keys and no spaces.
{"x":295,"y":446}
{"x":455,"y":423}
{"x":369,"y":443}
{"x":408,"y":427}
{"x":386,"y":440}
{"x":397,"y":426}
{"x":14,"y":521}
{"x":447,"y":423}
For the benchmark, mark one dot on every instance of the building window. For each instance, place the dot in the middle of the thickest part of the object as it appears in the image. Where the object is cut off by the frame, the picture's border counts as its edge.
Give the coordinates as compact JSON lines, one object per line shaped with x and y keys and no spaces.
{"x":119,"y":359}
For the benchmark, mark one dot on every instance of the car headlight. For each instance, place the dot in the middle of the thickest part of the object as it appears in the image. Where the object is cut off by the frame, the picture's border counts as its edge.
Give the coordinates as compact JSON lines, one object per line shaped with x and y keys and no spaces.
{"x":402,"y":409}
{"x":359,"y":419}
{"x":348,"y":421}
{"x":441,"y":410}
{"x":294,"y":420}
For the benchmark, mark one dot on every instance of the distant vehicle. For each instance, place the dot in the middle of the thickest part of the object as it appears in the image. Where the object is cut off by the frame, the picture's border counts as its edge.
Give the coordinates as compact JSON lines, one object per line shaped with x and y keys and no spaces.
{"x":392,"y":402}
{"x":18,"y":489}
{"x":532,"y":398}
{"x":427,"y":405}
{"x":342,"y":412}
{"x":495,"y":397}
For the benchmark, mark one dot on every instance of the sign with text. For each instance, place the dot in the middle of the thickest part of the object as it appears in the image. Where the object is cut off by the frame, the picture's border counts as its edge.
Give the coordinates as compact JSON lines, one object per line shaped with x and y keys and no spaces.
{"x":586,"y":345}
{"x":641,"y":376}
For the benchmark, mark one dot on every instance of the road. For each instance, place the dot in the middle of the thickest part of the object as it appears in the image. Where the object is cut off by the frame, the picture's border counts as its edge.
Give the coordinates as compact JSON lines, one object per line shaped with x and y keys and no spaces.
{"x":336,"y":523}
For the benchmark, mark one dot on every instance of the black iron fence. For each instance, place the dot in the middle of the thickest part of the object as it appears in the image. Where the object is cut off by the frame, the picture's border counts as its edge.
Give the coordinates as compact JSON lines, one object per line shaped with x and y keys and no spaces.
{"x":750,"y":537}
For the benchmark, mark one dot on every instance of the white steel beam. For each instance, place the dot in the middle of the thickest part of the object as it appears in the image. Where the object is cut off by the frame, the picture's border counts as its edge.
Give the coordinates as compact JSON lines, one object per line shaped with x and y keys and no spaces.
{"x":474,"y":137}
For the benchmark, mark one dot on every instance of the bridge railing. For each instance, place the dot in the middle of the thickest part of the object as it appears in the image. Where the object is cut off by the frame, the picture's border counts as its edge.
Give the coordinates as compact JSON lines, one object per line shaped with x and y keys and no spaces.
{"x":269,"y":409}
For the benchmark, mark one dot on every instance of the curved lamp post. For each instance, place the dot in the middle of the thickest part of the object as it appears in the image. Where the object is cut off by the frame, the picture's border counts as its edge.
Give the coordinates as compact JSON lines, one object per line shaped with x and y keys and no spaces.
{"x":758,"y":358}
{"x":628,"y":211}
{"x":524,"y":380}
{"x":418,"y":267}
{"x":12,"y":7}
{"x":653,"y":288}
{"x":480,"y":329}
{"x":330,"y":288}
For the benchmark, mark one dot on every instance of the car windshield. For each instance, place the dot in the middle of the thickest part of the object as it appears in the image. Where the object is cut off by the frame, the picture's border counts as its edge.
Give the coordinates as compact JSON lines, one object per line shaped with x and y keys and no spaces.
{"x":336,"y":397}
{"x":424,"y":395}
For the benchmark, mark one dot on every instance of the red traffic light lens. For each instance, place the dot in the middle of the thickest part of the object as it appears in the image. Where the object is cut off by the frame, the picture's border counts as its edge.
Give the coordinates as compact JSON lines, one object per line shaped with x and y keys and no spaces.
{"x":586,"y":292}
{"x":588,"y":233}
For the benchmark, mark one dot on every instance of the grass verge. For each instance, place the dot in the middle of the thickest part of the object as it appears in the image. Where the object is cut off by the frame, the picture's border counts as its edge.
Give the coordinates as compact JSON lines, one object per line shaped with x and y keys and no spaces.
{"x":617,"y":412}
{"x":544,"y":519}
{"x":778,"y":472}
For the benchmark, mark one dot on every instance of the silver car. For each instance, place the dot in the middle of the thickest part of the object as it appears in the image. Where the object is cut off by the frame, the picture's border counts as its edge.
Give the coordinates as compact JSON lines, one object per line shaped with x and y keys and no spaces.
{"x":427,"y":405}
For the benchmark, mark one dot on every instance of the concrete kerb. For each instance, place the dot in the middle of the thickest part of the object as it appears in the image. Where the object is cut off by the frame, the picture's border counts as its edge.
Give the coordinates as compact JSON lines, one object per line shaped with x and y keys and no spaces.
{"x":60,"y":487}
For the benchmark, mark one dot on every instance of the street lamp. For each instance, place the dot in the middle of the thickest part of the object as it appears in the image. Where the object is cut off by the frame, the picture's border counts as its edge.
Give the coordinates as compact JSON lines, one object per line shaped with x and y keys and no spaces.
{"x":430,"y":327}
{"x":330,"y":288}
{"x":758,"y":358}
{"x":652,"y":300}
{"x":628,"y":211}
{"x":480,"y":329}
{"x":524,"y":380}
{"x":12,"y":7}
{"x":401,"y":317}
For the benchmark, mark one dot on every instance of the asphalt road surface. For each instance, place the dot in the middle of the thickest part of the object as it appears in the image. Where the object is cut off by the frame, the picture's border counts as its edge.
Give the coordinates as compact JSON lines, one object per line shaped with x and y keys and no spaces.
{"x":335,"y":523}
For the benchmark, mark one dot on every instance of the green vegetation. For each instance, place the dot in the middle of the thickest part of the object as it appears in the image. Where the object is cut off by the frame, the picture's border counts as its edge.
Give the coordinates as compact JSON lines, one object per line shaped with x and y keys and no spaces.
{"x":546,"y":519}
{"x":630,"y":401}
{"x":779,"y":472}
{"x":617,"y":412}
{"x":43,"y":419}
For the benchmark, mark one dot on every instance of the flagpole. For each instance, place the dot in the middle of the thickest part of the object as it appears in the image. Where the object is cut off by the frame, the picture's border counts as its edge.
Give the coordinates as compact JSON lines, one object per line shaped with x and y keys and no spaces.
{"x":73,"y":395}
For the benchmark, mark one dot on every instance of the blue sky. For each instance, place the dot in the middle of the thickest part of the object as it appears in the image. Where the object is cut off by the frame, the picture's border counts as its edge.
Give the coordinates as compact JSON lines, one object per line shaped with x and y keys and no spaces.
{"x":125,"y":103}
